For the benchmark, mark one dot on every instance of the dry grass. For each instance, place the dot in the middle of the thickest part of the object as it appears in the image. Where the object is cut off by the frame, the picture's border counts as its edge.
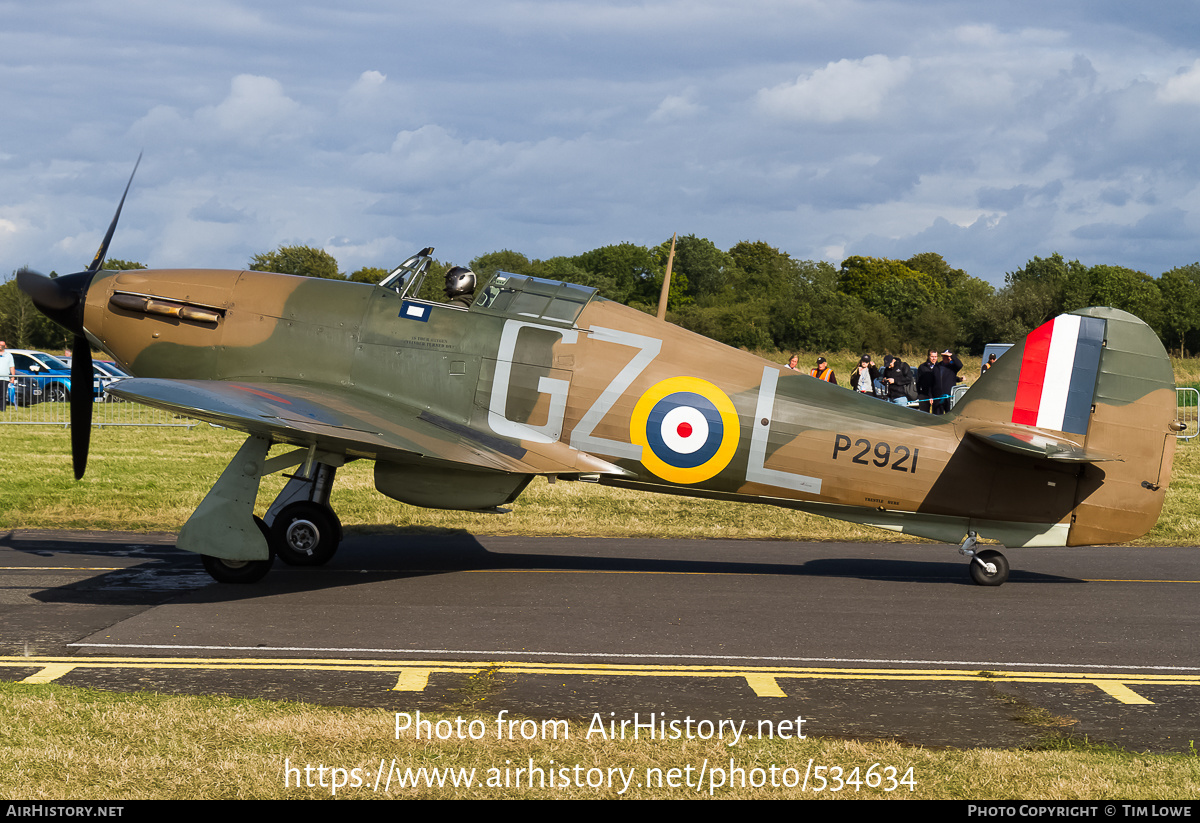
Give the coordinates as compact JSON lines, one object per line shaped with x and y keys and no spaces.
{"x":63,"y":743}
{"x":152,"y":479}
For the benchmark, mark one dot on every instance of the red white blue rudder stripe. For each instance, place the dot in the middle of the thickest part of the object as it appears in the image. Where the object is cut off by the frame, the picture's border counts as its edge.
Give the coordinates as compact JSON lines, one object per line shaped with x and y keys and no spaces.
{"x":1058,"y":374}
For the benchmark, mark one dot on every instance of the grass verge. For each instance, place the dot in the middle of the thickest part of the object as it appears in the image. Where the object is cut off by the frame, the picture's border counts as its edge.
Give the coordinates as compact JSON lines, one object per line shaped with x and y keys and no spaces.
{"x":66,"y":743}
{"x":141,"y":479}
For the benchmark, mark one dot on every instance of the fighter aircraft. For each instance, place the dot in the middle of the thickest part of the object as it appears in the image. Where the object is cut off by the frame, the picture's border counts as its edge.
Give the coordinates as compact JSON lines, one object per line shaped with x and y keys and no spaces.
{"x":1068,"y":440}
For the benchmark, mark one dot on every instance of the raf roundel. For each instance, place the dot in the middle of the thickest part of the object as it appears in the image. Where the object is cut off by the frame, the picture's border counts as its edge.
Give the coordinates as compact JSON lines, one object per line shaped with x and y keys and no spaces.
{"x":688,"y":429}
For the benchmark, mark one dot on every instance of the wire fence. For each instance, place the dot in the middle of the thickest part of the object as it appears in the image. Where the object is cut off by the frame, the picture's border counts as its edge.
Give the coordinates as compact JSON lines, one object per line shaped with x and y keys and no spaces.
{"x":37,"y":401}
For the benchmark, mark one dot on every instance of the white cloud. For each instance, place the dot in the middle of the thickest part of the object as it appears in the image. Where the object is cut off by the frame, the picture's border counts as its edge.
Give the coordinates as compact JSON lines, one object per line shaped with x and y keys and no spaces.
{"x":845,"y":90}
{"x":255,"y":106}
{"x":1183,"y":87}
{"x":370,"y":80}
{"x":433,"y":153}
{"x":256,"y":113}
{"x":676,"y":107}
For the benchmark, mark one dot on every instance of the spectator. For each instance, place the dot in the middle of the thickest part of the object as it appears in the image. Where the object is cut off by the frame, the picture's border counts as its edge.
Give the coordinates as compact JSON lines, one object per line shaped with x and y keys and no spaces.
{"x":924,"y":379}
{"x":822,"y":371}
{"x":945,"y":375}
{"x":897,"y":379}
{"x":863,"y":378}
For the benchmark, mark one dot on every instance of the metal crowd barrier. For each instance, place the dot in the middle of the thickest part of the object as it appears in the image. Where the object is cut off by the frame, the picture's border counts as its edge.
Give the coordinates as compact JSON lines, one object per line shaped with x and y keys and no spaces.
{"x":38,"y":403}
{"x":1188,"y":401}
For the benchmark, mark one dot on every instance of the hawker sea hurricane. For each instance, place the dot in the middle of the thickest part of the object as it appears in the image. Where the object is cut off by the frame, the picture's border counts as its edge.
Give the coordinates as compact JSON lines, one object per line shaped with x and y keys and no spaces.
{"x":1066,"y":441}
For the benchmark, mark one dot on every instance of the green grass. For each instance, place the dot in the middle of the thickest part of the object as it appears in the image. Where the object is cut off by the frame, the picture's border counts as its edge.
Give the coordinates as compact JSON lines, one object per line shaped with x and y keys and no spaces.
{"x":141,"y":479}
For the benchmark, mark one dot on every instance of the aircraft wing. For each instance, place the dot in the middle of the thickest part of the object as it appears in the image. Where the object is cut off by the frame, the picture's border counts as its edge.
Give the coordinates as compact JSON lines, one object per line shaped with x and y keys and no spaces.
{"x":352,"y":423}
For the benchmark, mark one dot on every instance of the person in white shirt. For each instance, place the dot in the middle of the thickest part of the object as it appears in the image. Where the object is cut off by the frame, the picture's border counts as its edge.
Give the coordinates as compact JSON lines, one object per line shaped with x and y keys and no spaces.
{"x":8,"y":372}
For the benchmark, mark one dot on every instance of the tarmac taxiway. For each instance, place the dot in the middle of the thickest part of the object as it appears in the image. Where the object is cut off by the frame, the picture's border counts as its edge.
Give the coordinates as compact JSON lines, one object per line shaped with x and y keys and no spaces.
{"x":859,"y":639}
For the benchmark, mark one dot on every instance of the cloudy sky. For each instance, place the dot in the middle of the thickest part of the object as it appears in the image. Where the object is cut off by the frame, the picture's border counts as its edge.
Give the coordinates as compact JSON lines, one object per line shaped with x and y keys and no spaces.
{"x":986,"y":132}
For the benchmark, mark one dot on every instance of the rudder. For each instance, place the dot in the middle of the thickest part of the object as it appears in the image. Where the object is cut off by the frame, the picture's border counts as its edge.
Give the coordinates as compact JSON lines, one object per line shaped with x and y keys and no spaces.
{"x":1094,"y":387}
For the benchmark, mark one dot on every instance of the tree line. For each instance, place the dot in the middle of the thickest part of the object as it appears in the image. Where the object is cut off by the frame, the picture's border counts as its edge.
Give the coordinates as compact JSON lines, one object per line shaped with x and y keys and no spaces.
{"x":757,"y":297}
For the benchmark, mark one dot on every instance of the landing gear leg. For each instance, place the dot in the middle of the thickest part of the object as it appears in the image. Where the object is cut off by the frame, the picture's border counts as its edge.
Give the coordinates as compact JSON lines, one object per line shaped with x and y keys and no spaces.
{"x":224,"y":529}
{"x":239,"y":547}
{"x":304,"y":529}
{"x":988,"y":567}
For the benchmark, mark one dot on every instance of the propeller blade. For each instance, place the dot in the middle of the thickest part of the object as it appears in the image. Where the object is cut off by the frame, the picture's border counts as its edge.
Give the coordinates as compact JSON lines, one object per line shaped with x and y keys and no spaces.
{"x":102,"y":252}
{"x":81,"y":403}
{"x":44,"y":291}
{"x":60,"y":299}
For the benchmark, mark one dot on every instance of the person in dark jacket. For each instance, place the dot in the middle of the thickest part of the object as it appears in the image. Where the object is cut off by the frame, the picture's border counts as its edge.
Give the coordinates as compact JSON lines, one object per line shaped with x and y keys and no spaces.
{"x":924,"y":378}
{"x":896,"y":377}
{"x":945,"y":375}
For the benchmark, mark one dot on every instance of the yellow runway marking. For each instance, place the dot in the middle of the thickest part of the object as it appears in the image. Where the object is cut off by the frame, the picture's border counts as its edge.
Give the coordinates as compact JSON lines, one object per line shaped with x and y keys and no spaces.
{"x":765,"y":681}
{"x":1123,"y":693}
{"x":50,"y":673}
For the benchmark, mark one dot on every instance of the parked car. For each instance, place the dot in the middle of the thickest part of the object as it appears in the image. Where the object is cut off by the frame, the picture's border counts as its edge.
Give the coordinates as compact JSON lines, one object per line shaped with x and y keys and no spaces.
{"x":104,"y":373}
{"x":24,"y":391}
{"x":51,"y":377}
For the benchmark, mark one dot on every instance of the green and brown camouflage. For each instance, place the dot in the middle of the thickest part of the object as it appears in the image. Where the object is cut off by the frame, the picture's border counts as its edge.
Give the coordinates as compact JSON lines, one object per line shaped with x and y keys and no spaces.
{"x":461,"y":407}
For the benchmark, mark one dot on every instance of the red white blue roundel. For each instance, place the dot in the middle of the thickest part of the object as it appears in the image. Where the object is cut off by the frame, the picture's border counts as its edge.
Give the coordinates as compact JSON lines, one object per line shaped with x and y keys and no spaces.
{"x":688,"y":429}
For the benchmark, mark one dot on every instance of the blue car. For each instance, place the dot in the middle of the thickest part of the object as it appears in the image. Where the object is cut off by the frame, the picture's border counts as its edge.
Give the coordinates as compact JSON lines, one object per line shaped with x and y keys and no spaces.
{"x":49,"y":378}
{"x":104,"y":373}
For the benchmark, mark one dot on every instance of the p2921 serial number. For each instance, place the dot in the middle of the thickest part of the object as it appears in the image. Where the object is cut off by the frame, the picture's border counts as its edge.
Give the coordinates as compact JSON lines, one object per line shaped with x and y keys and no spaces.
{"x":877,"y":453}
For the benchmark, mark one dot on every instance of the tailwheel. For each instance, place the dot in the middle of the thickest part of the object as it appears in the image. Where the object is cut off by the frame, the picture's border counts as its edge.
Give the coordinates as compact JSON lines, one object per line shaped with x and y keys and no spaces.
{"x":240,"y":571}
{"x":306,"y":534}
{"x":989,"y":568}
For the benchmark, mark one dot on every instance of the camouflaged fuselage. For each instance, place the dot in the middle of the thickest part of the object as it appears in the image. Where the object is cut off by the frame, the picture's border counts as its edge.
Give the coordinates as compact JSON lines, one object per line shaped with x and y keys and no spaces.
{"x":539,"y":378}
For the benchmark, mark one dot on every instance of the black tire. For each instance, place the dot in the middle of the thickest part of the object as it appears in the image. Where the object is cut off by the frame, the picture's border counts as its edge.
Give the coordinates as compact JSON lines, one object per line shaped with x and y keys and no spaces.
{"x":306,"y":534}
{"x":57,"y":393}
{"x":979,"y":572}
{"x":241,"y":571}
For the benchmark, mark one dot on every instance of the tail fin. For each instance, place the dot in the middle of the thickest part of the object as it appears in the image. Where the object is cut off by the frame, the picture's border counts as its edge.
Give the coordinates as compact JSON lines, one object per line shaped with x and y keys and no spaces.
{"x":1093,"y":387}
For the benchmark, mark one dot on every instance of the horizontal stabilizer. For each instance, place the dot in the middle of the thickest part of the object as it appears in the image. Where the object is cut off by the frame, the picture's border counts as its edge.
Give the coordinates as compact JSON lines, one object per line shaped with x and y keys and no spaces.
{"x":1038,"y":444}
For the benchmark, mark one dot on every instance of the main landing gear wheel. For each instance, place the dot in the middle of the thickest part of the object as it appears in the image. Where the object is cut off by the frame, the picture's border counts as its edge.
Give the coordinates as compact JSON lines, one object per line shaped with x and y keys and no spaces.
{"x":989,"y":568}
{"x":240,"y":571}
{"x":306,"y":534}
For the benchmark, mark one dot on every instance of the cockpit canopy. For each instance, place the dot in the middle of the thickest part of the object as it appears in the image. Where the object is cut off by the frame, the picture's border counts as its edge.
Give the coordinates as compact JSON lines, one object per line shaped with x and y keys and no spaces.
{"x":406,"y":279}
{"x":519,"y":295}
{"x":504,"y":295}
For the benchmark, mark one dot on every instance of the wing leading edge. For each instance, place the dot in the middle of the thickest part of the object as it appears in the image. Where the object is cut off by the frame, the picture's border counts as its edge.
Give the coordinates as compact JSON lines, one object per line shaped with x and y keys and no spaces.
{"x":355,"y":424}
